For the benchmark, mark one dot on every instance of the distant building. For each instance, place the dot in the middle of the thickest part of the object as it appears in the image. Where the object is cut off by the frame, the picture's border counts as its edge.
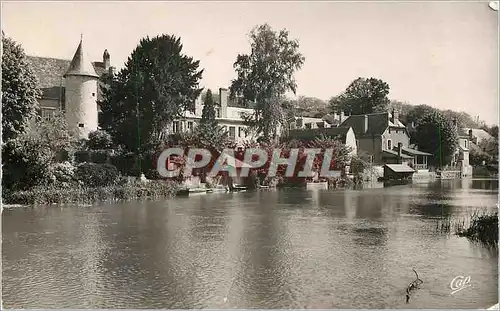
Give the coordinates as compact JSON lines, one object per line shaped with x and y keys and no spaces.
{"x":73,"y":87}
{"x":385,"y":139}
{"x":344,"y":134}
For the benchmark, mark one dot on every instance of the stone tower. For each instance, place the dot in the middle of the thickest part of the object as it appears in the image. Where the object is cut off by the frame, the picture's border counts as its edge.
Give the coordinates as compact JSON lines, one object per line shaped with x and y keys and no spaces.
{"x":81,"y":94}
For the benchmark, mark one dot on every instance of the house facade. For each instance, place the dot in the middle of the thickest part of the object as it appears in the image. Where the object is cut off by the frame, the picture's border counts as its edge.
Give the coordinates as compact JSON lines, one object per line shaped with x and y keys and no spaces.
{"x":385,"y":140}
{"x":227,"y":115}
{"x":460,"y":158}
{"x":345,"y":135}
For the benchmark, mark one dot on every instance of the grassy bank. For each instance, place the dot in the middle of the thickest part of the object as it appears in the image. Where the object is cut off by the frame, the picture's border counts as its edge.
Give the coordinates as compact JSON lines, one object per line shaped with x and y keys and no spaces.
{"x":83,"y":195}
{"x":478,"y":227}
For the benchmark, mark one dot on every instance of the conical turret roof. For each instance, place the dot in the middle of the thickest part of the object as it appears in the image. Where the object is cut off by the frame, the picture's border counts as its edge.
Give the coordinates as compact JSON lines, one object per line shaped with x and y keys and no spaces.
{"x":81,"y":65}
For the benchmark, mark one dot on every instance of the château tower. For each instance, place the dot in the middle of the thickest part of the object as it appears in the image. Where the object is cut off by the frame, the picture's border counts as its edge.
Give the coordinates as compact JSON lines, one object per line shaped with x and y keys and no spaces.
{"x":81,"y":94}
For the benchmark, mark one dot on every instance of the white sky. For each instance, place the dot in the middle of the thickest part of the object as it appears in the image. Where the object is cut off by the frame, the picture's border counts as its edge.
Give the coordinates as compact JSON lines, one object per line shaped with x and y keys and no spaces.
{"x":441,"y":54}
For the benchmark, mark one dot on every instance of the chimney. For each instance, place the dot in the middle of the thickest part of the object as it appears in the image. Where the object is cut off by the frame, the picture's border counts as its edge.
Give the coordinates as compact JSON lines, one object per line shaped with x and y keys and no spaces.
{"x":223,"y":95}
{"x":395,"y":117}
{"x":106,"y":60}
{"x":400,"y":146}
{"x":365,"y":127}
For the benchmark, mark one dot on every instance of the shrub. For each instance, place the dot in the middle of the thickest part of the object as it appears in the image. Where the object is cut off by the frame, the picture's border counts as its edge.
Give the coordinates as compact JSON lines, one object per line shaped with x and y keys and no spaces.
{"x":56,"y":195}
{"x":82,"y":156}
{"x":97,"y":175}
{"x":99,"y":140}
{"x":63,"y":173}
{"x":99,"y":156}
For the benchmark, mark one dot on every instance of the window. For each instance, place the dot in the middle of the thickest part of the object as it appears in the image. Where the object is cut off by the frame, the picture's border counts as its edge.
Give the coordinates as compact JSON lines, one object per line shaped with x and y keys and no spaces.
{"x":80,"y":125}
{"x":465,"y":143}
{"x":389,"y":144}
{"x":93,"y":94}
{"x":176,"y":126}
{"x":190,"y":126}
{"x":308,"y":126}
{"x":48,"y":113}
{"x":240,"y":132}
{"x":217,"y":112}
{"x":232,"y":132}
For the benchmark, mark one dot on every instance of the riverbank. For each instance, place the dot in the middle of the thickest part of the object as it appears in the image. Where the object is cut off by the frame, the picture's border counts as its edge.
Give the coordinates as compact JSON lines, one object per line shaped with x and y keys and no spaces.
{"x":151,"y":189}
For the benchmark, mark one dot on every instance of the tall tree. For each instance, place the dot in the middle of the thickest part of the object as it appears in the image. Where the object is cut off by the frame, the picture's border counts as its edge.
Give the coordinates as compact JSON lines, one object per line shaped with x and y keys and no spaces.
{"x":363,"y":96}
{"x":264,"y":76}
{"x":209,"y":132}
{"x":157,"y":84}
{"x":20,"y":90}
{"x":436,"y":134}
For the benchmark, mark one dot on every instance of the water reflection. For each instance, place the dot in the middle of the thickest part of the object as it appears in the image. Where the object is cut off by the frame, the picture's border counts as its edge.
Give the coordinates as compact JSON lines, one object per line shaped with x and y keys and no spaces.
{"x":267,"y":249}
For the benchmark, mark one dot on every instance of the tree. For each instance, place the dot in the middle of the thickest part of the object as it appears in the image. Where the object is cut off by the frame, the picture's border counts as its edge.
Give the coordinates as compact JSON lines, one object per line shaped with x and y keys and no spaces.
{"x":436,"y":134}
{"x":157,"y":84}
{"x":19,"y":90}
{"x":309,"y":107}
{"x":362,"y":96}
{"x":28,"y":159}
{"x":264,"y":76}
{"x":208,"y":131}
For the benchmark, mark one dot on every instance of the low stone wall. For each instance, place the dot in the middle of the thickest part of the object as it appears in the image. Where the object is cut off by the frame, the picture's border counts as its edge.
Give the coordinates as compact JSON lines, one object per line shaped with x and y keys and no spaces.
{"x":450,"y":175}
{"x":424,"y":175}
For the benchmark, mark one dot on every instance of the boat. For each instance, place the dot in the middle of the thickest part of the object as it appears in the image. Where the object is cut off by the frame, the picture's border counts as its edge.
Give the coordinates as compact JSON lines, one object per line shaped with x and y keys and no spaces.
{"x":191,"y":191}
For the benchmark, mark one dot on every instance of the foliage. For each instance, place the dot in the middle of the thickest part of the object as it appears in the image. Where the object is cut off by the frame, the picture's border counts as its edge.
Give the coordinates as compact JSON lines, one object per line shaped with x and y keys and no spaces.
{"x":477,"y":156}
{"x":308,"y":107}
{"x":493,"y":130}
{"x":362,"y":96}
{"x":28,"y":158}
{"x":157,"y":84}
{"x":121,"y":192}
{"x":482,"y":227}
{"x":490,"y":147}
{"x":19,"y":90}
{"x":264,"y":76}
{"x":63,"y":173}
{"x":208,"y":131}
{"x":99,"y":140}
{"x":436,"y":134}
{"x":97,"y":175}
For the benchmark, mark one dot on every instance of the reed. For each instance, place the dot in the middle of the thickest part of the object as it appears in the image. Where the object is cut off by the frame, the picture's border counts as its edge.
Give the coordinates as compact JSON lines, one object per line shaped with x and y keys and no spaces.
{"x":479,"y":226}
{"x":154,"y":189}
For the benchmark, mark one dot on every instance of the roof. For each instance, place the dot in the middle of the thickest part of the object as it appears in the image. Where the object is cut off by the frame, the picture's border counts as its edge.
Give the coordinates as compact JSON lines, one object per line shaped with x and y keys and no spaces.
{"x":80,"y":64}
{"x":50,"y":71}
{"x":313,"y":133}
{"x":392,"y":153}
{"x":479,"y":133}
{"x":415,"y":152}
{"x":377,"y":124}
{"x":399,"y":168}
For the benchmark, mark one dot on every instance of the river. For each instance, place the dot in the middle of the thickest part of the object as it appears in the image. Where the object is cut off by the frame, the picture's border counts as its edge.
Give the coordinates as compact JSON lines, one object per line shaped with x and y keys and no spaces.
{"x":266,"y":249}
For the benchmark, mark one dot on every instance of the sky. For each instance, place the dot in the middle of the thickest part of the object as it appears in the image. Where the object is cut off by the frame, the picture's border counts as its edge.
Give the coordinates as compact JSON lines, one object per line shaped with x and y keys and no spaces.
{"x":442,"y":54}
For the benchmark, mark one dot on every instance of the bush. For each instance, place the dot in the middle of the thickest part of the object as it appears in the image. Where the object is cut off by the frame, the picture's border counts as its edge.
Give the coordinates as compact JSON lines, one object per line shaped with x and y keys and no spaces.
{"x":56,"y":195}
{"x":82,"y":156}
{"x":99,"y":156}
{"x":99,"y":140}
{"x":63,"y":173}
{"x":97,"y":175}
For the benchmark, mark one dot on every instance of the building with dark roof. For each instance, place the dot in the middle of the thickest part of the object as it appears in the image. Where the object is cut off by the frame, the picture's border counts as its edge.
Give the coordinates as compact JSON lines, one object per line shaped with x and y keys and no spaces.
{"x":383,"y":138}
{"x":344,"y":134}
{"x":71,"y":86}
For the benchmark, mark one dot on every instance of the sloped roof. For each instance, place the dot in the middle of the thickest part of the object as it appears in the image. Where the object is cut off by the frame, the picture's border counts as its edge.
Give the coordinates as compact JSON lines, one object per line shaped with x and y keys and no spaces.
{"x":80,"y":64}
{"x":479,"y":133}
{"x":377,"y":124}
{"x":50,"y":71}
{"x":415,"y":152}
{"x":392,"y":154}
{"x":400,"y":168}
{"x":310,"y":134}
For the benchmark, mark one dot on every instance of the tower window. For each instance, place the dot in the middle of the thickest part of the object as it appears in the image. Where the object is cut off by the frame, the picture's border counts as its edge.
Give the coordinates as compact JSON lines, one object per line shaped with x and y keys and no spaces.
{"x":80,"y":125}
{"x":93,"y":94}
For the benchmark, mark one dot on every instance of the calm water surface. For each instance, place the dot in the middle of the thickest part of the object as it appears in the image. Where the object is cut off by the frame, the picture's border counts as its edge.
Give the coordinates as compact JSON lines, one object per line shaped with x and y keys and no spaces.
{"x":268,"y":249}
